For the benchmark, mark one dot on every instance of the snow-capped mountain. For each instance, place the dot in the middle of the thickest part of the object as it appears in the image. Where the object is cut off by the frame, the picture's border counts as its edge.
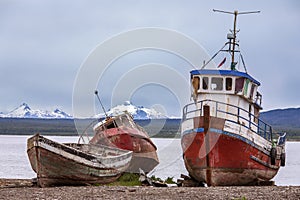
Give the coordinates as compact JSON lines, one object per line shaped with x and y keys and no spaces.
{"x":24,"y":111}
{"x":138,"y":112}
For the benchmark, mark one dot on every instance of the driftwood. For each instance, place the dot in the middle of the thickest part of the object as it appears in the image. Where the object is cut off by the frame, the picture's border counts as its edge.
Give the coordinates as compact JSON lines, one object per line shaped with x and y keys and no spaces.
{"x":187,"y":181}
{"x":146,"y":181}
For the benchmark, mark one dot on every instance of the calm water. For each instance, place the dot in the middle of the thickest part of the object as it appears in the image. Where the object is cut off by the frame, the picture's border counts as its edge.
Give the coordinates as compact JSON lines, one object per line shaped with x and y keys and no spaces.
{"x":14,"y":162}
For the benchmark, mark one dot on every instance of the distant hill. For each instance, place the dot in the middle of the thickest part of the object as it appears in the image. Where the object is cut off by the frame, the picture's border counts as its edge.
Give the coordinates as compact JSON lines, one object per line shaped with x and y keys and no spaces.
{"x":284,"y":120}
{"x":283,"y":117}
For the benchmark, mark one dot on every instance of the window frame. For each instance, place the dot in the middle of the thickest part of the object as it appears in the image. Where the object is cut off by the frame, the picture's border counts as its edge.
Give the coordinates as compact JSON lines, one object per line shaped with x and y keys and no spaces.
{"x":231,"y":84}
{"x":206,"y":83}
{"x":218,"y":84}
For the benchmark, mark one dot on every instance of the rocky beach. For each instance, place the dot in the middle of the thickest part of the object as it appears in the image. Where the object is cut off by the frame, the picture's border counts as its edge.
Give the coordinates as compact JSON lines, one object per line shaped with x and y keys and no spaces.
{"x":22,"y":189}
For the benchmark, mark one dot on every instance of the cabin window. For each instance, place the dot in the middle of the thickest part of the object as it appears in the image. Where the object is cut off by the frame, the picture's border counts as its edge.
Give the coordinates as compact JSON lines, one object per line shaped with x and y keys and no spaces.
{"x":205,"y":83}
{"x":216,"y":83}
{"x":228,"y":84}
{"x":239,"y":84}
{"x":111,"y":125}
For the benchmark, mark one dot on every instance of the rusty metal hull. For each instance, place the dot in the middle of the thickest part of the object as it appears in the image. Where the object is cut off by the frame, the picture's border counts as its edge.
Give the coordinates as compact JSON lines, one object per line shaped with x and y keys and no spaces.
{"x":144,"y":151}
{"x":75,"y":164}
{"x":220,"y":158}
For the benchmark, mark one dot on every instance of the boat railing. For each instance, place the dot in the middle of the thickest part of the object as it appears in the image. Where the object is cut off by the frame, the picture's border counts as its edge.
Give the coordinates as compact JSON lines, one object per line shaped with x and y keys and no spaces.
{"x":84,"y":137}
{"x":234,"y":114}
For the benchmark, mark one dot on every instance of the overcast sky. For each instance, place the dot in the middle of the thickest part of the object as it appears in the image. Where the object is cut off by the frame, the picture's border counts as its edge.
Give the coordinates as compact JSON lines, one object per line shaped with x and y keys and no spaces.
{"x":44,"y":43}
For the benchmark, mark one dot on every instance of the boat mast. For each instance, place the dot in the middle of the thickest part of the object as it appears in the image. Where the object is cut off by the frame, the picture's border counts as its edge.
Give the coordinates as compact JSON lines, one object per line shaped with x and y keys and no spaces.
{"x":96,"y":93}
{"x":234,"y":40}
{"x":234,"y":43}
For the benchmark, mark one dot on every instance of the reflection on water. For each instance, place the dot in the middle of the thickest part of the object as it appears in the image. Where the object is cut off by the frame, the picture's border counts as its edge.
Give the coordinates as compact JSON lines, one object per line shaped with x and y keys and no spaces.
{"x":14,"y":162}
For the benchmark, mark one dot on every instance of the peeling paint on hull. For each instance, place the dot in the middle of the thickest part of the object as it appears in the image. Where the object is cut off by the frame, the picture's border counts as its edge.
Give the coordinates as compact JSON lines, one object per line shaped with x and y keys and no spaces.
{"x":220,"y":158}
{"x":75,"y":164}
{"x":144,"y":151}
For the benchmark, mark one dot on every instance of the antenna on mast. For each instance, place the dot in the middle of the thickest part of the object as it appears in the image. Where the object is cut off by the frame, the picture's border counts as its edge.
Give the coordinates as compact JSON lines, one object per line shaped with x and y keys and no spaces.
{"x":96,"y":93}
{"x":232,"y":39}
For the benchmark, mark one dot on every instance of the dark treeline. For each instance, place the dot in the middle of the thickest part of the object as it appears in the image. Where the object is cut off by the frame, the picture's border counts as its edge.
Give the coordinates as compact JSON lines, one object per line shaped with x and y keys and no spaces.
{"x":66,"y":127}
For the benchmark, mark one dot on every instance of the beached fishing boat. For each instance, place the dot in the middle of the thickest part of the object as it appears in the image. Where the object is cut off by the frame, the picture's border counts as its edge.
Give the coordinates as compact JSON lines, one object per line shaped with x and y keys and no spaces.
{"x":223,"y":139}
{"x":75,"y":164}
{"x":122,"y":132}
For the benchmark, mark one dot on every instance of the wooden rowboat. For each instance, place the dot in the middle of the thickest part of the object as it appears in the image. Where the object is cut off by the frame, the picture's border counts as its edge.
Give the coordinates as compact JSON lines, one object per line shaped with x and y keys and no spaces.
{"x":75,"y":164}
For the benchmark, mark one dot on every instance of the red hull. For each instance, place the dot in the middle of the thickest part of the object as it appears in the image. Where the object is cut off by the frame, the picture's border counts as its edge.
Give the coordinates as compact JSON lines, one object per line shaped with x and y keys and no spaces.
{"x":144,"y":151}
{"x":220,"y":158}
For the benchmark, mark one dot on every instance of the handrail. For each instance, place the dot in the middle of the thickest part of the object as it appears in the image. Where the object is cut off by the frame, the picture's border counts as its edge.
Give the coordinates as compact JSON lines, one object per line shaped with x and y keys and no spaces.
{"x":85,"y":133}
{"x":262,"y":129}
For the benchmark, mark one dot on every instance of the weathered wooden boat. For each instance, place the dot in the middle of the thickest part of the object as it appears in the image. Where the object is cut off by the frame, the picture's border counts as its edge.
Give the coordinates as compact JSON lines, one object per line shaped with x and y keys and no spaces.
{"x":122,"y":132}
{"x":75,"y":164}
{"x":223,"y":139}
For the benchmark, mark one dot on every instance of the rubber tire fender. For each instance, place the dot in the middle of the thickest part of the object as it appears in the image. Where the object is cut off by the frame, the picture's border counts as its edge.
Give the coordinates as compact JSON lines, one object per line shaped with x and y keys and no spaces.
{"x":273,"y":155}
{"x":282,"y":159}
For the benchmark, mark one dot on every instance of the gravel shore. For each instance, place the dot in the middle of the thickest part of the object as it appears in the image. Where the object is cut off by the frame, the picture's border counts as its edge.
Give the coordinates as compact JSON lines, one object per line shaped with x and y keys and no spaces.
{"x":120,"y":192}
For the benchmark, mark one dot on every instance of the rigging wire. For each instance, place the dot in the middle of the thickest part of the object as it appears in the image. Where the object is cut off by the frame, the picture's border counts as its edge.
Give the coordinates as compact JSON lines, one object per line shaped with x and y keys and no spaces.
{"x":213,"y":57}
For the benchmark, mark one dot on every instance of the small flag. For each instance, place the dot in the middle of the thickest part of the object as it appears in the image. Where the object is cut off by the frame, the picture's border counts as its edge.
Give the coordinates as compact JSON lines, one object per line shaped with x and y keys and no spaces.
{"x":221,"y":63}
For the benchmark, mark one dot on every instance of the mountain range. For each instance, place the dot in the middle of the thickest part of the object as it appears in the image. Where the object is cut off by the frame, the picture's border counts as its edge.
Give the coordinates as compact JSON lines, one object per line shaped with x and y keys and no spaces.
{"x":138,"y":112}
{"x":24,"y":111}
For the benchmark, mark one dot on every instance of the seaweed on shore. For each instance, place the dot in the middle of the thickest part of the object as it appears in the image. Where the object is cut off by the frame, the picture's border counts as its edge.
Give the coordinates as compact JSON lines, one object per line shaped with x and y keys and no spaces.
{"x":131,"y":179}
